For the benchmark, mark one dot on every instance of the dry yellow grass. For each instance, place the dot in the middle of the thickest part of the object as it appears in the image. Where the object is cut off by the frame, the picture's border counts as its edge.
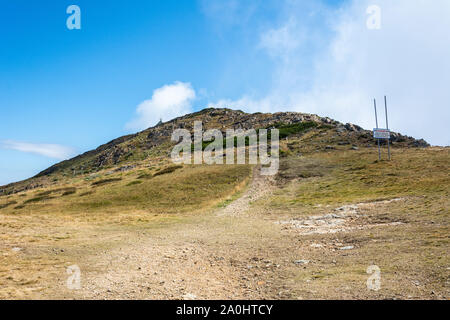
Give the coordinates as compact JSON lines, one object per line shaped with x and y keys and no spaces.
{"x":39,"y":239}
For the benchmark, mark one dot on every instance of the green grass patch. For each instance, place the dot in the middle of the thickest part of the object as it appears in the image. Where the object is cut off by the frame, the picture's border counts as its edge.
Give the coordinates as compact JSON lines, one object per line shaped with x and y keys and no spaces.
{"x":285,"y":130}
{"x":290,"y":129}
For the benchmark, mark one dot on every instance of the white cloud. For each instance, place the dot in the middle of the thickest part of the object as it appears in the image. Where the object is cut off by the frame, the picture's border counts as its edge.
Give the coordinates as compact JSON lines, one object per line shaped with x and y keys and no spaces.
{"x":229,"y":13}
{"x":167,"y":102}
{"x":407,"y":60}
{"x":48,"y":150}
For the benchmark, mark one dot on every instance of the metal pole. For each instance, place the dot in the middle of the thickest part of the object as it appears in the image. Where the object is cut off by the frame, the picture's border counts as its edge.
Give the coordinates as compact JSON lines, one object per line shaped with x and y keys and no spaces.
{"x":376,"y":120}
{"x":387,"y":127}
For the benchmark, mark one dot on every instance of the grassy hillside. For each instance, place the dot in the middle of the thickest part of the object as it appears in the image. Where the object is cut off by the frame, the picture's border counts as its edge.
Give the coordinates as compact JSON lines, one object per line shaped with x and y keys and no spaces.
{"x":148,"y":190}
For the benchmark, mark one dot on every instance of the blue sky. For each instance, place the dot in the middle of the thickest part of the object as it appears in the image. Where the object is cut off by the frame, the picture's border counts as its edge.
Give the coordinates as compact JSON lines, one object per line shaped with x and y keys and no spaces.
{"x":63,"y":92}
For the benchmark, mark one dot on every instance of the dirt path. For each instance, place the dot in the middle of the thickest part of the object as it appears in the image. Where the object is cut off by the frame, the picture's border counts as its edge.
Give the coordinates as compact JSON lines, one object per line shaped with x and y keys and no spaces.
{"x":259,"y":187}
{"x":210,"y":257}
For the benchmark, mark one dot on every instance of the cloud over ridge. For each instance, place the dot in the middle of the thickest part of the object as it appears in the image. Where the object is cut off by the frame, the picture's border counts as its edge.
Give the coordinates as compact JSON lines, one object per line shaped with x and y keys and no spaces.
{"x":167,"y":102}
{"x":54,"y":151}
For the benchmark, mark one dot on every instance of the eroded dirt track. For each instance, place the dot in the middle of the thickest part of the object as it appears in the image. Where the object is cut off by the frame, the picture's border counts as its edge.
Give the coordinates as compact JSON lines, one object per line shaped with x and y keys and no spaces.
{"x":202,"y":260}
{"x":260,"y":186}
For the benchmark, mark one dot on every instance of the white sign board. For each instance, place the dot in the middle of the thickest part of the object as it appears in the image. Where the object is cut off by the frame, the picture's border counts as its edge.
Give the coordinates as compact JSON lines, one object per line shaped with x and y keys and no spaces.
{"x":381,"y":133}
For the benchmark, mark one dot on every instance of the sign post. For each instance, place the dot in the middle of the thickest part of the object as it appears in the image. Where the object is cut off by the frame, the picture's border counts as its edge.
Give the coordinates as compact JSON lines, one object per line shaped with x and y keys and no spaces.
{"x":379,"y":133}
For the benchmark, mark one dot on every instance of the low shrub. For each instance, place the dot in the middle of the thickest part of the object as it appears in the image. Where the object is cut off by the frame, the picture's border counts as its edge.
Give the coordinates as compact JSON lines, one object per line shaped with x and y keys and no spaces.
{"x":105,"y":181}
{"x":38,"y":199}
{"x":167,"y":170}
{"x":69,"y":191}
{"x":145,"y":176}
{"x":87,"y":193}
{"x":132,"y":183}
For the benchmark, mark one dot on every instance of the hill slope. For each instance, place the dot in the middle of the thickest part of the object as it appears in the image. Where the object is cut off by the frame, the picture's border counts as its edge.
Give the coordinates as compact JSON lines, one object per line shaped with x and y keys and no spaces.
{"x":155,"y":142}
